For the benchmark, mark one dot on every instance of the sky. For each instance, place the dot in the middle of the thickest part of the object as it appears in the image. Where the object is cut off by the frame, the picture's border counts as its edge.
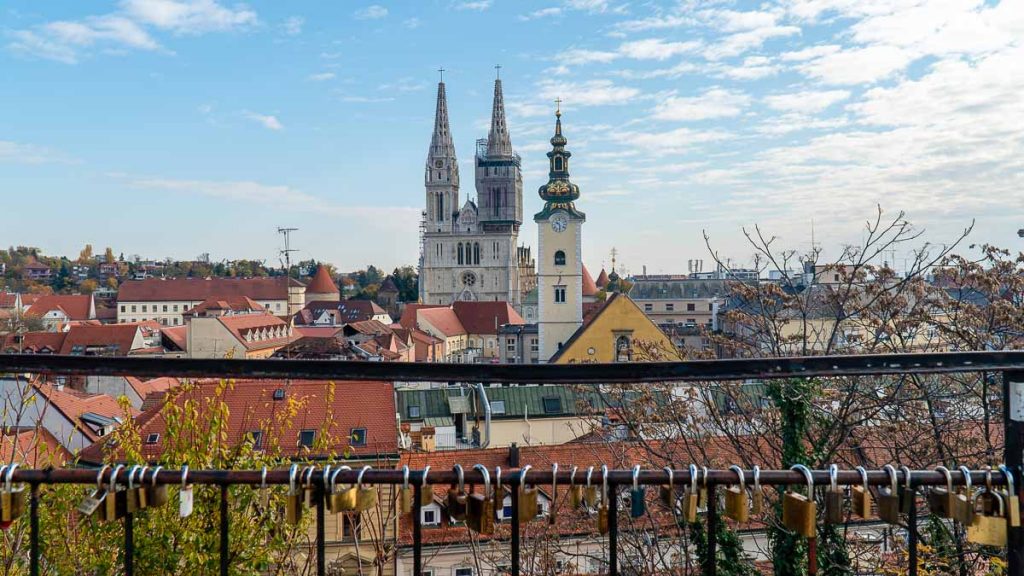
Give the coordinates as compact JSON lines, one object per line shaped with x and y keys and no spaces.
{"x":171,"y":128}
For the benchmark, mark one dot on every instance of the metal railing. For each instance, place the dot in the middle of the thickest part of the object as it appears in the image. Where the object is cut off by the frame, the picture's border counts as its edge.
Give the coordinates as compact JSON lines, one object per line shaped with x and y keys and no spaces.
{"x":1011,"y":364}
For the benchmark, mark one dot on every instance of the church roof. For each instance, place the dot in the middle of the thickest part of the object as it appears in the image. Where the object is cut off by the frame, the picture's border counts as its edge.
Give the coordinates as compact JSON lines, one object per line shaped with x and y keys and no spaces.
{"x":387,"y":286}
{"x":589,"y":286}
{"x":498,"y":141}
{"x":602,"y":279}
{"x":322,"y":282}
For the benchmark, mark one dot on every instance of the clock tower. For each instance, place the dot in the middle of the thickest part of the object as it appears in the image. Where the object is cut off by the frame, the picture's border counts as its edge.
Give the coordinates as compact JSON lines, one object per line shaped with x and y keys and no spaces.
{"x":560,"y":259}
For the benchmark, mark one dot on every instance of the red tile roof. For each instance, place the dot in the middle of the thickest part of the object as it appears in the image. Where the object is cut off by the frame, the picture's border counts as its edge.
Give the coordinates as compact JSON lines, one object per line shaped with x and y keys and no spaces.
{"x":198,"y":289}
{"x":250,"y":404}
{"x":231,"y":304}
{"x":317,"y":331}
{"x":73,"y":404}
{"x":486,"y":317}
{"x":177,"y":335}
{"x":344,"y":312}
{"x":7,"y":299}
{"x":408,"y":319}
{"x":32,"y":447}
{"x":589,"y":286}
{"x":602,"y":279}
{"x":117,"y":338}
{"x":153,"y":386}
{"x":242,"y":325}
{"x":75,"y":306}
{"x":34,"y":342}
{"x":444,"y":320}
{"x":322,"y":282}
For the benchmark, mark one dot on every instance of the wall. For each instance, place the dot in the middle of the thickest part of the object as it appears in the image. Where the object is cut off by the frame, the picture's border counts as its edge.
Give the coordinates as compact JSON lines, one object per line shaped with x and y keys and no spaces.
{"x":169,"y":312}
{"x":540,"y":430}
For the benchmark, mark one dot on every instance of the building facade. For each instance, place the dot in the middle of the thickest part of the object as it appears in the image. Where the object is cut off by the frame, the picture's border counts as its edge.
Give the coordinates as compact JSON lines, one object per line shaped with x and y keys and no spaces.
{"x":469,"y":252}
{"x":165,"y":300}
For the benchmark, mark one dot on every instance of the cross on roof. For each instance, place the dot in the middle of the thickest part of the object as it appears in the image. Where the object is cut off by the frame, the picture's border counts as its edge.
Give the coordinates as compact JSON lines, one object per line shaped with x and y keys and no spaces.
{"x":497,"y":68}
{"x":441,"y":70}
{"x":558,"y":105}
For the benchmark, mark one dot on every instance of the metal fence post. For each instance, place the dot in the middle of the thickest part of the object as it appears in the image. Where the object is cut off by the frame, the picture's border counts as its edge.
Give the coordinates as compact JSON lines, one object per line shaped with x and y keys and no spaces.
{"x":613,"y":529}
{"x":711,"y":562}
{"x":321,"y":546}
{"x":1013,"y":422}
{"x":225,"y":559}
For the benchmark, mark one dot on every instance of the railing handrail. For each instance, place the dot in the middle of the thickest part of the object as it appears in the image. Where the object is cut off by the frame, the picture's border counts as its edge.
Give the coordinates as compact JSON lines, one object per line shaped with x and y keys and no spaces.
{"x":685,"y":371}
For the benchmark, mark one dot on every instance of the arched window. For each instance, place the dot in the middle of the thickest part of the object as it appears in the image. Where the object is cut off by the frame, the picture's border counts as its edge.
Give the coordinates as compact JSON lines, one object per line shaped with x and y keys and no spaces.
{"x":558,"y":163}
{"x":476,"y":253}
{"x":440,"y":207}
{"x":559,"y":258}
{"x":460,"y":252}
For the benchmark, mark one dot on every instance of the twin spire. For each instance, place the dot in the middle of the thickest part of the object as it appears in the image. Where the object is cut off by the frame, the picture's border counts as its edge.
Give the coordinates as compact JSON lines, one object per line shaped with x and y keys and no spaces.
{"x":499,"y":144}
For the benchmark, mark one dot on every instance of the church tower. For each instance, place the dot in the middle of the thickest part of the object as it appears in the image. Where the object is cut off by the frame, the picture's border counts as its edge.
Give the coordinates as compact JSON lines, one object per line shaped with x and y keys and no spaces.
{"x":559,"y":260}
{"x":441,"y":174}
{"x":499,"y":181}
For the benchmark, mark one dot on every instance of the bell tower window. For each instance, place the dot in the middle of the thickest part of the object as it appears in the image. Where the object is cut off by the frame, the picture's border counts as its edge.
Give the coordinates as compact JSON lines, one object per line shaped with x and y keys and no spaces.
{"x":559,"y":258}
{"x":558,"y":163}
{"x":460,"y":252}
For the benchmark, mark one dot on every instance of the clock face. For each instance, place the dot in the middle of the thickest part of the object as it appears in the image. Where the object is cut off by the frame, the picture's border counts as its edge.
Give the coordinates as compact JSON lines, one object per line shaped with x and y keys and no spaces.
{"x":439,"y":163}
{"x":559,"y":223}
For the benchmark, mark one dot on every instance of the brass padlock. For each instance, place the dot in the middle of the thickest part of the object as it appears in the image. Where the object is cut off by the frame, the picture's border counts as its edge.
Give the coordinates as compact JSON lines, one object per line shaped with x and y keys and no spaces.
{"x":834,"y":497}
{"x":529,"y":507}
{"x":889,"y":498}
{"x":704,"y":489}
{"x":457,"y":497}
{"x":861,"y":496}
{"x":602,"y":510}
{"x":131,"y":492}
{"x":989,"y":529}
{"x":480,"y":508}
{"x":142,"y":496}
{"x":12,"y":500}
{"x":757,"y":498}
{"x":963,"y":511}
{"x":116,"y":502}
{"x":264,"y":493}
{"x":308,"y":490}
{"x":575,"y":491}
{"x":499,"y":494}
{"x":667,"y":493}
{"x":590,"y":494}
{"x":344,"y":499}
{"x":426,"y":490}
{"x":94,"y":501}
{"x":156,"y":494}
{"x":553,"y":508}
{"x":691,"y":498}
{"x":1012,"y":499}
{"x":942,"y":501}
{"x":405,"y":493}
{"x":366,"y":496}
{"x":293,"y":504}
{"x":908,"y":496}
{"x":798,"y":511}
{"x":736,"y":500}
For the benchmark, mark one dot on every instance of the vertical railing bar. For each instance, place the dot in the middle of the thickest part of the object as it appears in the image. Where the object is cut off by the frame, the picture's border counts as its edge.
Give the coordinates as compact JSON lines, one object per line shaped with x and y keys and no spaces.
{"x":710,"y":564}
{"x":515,"y":529}
{"x":33,"y":561}
{"x":417,"y":529}
{"x":1013,"y":455}
{"x":321,"y":547}
{"x":912,"y":530}
{"x":224,"y":558}
{"x":613,"y":529}
{"x":129,"y":545}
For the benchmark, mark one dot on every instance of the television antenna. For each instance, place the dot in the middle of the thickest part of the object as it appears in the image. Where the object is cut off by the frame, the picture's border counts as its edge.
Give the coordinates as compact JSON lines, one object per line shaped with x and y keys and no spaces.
{"x":287,"y":252}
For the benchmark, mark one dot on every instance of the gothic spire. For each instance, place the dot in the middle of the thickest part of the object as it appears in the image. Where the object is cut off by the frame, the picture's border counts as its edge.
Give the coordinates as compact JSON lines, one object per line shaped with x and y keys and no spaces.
{"x":498,"y":141}
{"x":441,"y":145}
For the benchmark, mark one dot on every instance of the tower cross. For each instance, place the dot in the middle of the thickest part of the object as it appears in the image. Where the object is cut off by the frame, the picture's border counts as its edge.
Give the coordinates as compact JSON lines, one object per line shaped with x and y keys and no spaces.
{"x":558,"y":104}
{"x":497,"y":68}
{"x":441,"y":70}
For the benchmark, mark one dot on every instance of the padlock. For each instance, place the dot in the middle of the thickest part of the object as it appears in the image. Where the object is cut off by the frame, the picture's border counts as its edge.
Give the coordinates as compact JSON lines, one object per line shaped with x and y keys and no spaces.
{"x":989,"y":529}
{"x":834,"y":497}
{"x":637,"y":496}
{"x":342,"y":499}
{"x":908,"y":496}
{"x":93,"y":501}
{"x":457,"y":497}
{"x":405,"y":493}
{"x":499,"y":494}
{"x":736,"y":500}
{"x":366,"y":496}
{"x":186,"y":496}
{"x":667,"y":492}
{"x":1011,"y":498}
{"x":426,"y":490}
{"x":590,"y":493}
{"x":963,"y":511}
{"x":691,"y":498}
{"x":942,"y":501}
{"x":116,"y":502}
{"x":12,"y":500}
{"x":798,"y":511}
{"x":264,"y":493}
{"x":141,"y":495}
{"x":480,"y":507}
{"x":757,"y":498}
{"x":889,"y":498}
{"x":861,"y":496}
{"x":553,"y":508}
{"x":703,"y":501}
{"x":308,"y":490}
{"x":131,"y":494}
{"x":293,"y":504}
{"x":602,"y":510}
{"x":987,"y":497}
{"x":575,"y":491}
{"x":529,"y":507}
{"x":156,"y":494}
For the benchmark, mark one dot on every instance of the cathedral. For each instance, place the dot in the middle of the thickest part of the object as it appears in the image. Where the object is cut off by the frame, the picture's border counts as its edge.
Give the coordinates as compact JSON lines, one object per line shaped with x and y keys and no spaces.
{"x":469,"y":251}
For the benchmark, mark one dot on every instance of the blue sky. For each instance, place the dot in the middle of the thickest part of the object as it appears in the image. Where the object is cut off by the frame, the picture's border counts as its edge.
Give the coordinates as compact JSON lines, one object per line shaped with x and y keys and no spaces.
{"x":174,"y":127}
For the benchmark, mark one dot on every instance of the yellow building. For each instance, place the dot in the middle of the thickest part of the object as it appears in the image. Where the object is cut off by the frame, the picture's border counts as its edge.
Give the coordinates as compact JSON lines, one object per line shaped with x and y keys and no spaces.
{"x":619,"y":331}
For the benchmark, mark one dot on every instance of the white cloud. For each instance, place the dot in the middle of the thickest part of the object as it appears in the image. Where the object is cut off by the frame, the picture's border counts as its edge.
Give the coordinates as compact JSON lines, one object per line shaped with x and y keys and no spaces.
{"x":293,"y":25}
{"x":542,"y":13}
{"x":411,"y":23}
{"x":355,"y":99}
{"x":676,"y":71}
{"x":17,"y":153}
{"x":656,"y":48}
{"x":189,"y":17}
{"x":857,"y":65}
{"x":403,"y":85}
{"x":579,"y":56}
{"x":268,"y":121}
{"x":668,"y":142}
{"x":714,"y":103}
{"x":656,"y":23}
{"x":588,"y":5}
{"x":321,"y":76}
{"x":478,"y":5}
{"x":589,"y":93}
{"x":808,"y":102}
{"x":740,"y":42}
{"x":810,"y":53}
{"x":372,"y":12}
{"x":752,"y":68}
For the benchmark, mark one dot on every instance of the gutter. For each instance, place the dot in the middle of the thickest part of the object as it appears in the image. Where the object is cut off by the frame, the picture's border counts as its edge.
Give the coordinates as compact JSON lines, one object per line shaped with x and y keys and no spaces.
{"x":487,"y":415}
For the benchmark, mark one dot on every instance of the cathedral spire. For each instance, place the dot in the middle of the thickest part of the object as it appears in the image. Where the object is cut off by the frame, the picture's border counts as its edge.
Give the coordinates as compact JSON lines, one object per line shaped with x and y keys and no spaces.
{"x":441,"y":145}
{"x":498,"y":141}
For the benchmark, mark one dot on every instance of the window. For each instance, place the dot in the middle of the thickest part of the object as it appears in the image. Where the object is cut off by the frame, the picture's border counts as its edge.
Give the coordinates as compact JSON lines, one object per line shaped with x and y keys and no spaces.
{"x":144,"y":308}
{"x":534,"y":345}
{"x":350,"y":526}
{"x":122,"y":308}
{"x":357,"y":437}
{"x":559,"y":258}
{"x":711,"y":307}
{"x":691,"y":307}
{"x":414,"y":411}
{"x":177,"y":321}
{"x":460,"y":253}
{"x":165,"y":307}
{"x":429,"y":517}
{"x":133,"y":307}
{"x":558,"y":163}
{"x":279,"y":394}
{"x":175,"y":308}
{"x":623,"y":349}
{"x":152,"y":438}
{"x":497,"y":406}
{"x":462,"y":572}
{"x":306,"y":438}
{"x":648,"y":307}
{"x":476,"y":252}
{"x":552,"y":405}
{"x":670,"y":307}
{"x":257,"y":439}
{"x":559,"y":294}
